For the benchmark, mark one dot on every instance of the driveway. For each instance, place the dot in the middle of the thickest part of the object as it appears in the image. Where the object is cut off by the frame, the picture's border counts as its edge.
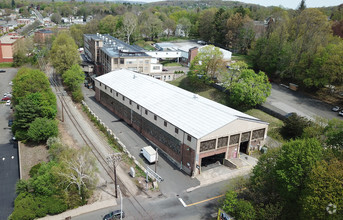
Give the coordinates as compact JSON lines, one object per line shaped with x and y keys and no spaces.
{"x":286,"y":101}
{"x":174,"y":182}
{"x":9,"y":169}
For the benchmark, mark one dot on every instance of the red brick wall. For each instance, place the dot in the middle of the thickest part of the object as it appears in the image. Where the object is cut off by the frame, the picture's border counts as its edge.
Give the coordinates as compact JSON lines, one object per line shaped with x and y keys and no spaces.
{"x":192,"y":53}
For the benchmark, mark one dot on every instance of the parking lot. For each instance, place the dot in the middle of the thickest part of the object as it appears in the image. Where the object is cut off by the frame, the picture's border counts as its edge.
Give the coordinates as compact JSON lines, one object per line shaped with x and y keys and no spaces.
{"x":9,"y":169}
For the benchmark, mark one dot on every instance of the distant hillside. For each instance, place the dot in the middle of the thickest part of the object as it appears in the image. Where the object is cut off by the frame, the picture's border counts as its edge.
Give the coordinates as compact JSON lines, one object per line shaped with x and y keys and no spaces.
{"x":203,"y":3}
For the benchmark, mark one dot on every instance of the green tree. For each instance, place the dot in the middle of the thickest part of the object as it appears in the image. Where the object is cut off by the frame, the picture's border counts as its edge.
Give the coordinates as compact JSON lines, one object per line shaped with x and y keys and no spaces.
{"x":108,"y":24}
{"x":64,"y":53}
{"x":76,"y":31}
{"x":292,"y":169}
{"x":151,"y":27}
{"x":294,"y":126}
{"x":334,"y":133}
{"x":230,"y":202}
{"x":206,"y":22}
{"x":250,"y":90}
{"x":73,"y":77}
{"x":244,"y":210}
{"x":323,"y":186}
{"x":56,"y":18}
{"x":185,"y":25}
{"x":208,"y":63}
{"x":41,"y":129}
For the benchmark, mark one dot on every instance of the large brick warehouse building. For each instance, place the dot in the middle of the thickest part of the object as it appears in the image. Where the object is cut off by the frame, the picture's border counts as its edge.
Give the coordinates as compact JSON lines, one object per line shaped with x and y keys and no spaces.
{"x":187,"y":127}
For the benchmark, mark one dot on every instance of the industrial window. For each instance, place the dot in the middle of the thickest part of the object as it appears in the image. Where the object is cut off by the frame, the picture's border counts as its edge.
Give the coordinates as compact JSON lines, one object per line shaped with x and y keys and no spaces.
{"x":147,"y":61}
{"x":189,"y":138}
{"x":105,"y":87}
{"x":121,"y":60}
{"x":123,"y":98}
{"x":100,"y":84}
{"x":165,"y":123}
{"x":130,"y":102}
{"x":156,"y":68}
{"x":115,"y":61}
{"x":111,"y":90}
{"x":176,"y":130}
{"x":116,"y":93}
{"x":155,"y":117}
{"x":146,"y":112}
{"x":138,"y":107}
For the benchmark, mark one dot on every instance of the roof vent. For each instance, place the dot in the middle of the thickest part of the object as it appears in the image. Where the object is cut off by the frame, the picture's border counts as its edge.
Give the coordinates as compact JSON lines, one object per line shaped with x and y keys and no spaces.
{"x":195,"y":96}
{"x":134,"y":76}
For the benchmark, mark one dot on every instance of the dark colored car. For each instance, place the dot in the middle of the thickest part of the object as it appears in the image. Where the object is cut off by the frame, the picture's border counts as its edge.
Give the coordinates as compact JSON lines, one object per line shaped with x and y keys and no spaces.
{"x":114,"y":215}
{"x":10,"y":123}
{"x":2,"y":71}
{"x":6,"y":98}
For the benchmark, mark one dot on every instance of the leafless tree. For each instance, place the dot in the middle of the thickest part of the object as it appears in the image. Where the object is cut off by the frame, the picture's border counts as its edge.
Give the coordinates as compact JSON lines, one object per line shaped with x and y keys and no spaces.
{"x":79,"y":169}
{"x":130,"y":22}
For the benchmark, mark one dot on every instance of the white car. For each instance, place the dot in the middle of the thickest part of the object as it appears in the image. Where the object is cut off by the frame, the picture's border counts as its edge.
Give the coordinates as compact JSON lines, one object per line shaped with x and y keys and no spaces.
{"x":11,"y":83}
{"x":340,"y":113}
{"x":8,"y":103}
{"x":336,"y":108}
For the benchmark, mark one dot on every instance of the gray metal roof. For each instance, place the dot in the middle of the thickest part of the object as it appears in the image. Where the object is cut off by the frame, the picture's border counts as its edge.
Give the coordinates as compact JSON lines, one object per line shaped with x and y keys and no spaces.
{"x":191,"y":113}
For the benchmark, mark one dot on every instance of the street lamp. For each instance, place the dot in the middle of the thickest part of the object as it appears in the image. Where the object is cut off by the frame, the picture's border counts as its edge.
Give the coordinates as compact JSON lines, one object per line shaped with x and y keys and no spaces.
{"x":114,"y":159}
{"x":121,"y":204}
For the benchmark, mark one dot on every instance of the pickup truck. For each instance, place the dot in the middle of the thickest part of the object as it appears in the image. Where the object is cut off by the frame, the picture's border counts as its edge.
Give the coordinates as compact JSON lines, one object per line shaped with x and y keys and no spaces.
{"x":149,"y":153}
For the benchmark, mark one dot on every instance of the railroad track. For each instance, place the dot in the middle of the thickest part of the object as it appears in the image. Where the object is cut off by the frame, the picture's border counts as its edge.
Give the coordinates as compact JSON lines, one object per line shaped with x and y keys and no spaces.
{"x":54,"y":81}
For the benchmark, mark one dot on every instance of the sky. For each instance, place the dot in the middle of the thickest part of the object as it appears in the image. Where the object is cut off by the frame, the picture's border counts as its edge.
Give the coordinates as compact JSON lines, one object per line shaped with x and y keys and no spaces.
{"x":293,"y":4}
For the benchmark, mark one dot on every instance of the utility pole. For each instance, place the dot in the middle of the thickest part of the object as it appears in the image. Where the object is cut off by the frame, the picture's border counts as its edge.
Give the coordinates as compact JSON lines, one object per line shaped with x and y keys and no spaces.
{"x":156,"y":159}
{"x":114,"y":159}
{"x":121,"y":204}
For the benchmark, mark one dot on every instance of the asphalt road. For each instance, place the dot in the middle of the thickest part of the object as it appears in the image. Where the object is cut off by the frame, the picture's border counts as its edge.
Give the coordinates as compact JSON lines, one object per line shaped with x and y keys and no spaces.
{"x":288,"y":101}
{"x":9,"y":169}
{"x":174,"y":182}
{"x":202,"y":203}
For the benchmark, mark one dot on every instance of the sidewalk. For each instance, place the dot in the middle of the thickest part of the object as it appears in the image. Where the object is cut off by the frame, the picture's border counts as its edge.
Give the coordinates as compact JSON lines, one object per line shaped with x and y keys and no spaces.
{"x":222,"y":172}
{"x":82,"y":210}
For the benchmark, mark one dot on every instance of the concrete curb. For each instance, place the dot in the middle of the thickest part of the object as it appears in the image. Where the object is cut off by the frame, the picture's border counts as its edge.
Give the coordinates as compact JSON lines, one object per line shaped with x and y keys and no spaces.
{"x":19,"y":160}
{"x":82,"y":210}
{"x":115,"y":138}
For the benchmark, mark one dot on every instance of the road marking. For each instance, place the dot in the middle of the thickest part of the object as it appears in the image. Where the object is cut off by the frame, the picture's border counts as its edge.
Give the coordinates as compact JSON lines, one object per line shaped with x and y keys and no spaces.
{"x":3,"y":158}
{"x":12,"y":157}
{"x":183,"y":203}
{"x":216,"y":197}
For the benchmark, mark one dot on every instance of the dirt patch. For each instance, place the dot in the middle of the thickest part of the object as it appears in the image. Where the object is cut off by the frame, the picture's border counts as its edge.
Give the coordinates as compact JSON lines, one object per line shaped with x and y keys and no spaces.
{"x":30,"y":156}
{"x":65,"y":136}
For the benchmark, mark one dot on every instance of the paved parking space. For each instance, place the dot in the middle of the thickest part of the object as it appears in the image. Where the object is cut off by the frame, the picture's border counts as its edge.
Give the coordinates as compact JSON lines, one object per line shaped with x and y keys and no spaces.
{"x":9,"y":169}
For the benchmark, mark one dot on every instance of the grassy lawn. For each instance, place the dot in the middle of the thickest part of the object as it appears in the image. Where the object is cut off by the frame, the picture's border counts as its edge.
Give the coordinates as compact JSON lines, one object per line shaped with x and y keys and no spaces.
{"x":217,"y":96}
{"x":145,"y":44}
{"x":170,"y":63}
{"x":207,"y":91}
{"x":5,"y":65}
{"x":245,"y":58}
{"x":274,"y":123}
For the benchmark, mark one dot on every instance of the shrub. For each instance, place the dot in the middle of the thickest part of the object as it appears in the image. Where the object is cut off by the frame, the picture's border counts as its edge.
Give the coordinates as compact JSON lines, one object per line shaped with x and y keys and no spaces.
{"x":77,"y":95}
{"x":41,"y":129}
{"x":34,"y":170}
{"x":294,"y":126}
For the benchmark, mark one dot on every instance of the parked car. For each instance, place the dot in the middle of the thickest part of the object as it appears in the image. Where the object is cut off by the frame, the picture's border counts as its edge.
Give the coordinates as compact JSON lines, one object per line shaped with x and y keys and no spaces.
{"x":11,"y":83}
{"x":340,"y":113}
{"x":8,"y":103}
{"x":336,"y":108}
{"x":2,"y":71}
{"x":114,"y":215}
{"x":10,"y":122}
{"x":6,"y":98}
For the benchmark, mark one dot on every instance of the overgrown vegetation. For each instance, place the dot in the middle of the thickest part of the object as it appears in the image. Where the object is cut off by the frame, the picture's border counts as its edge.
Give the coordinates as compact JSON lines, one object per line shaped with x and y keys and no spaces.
{"x":298,"y":180}
{"x":65,"y":182}
{"x":35,"y":106}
